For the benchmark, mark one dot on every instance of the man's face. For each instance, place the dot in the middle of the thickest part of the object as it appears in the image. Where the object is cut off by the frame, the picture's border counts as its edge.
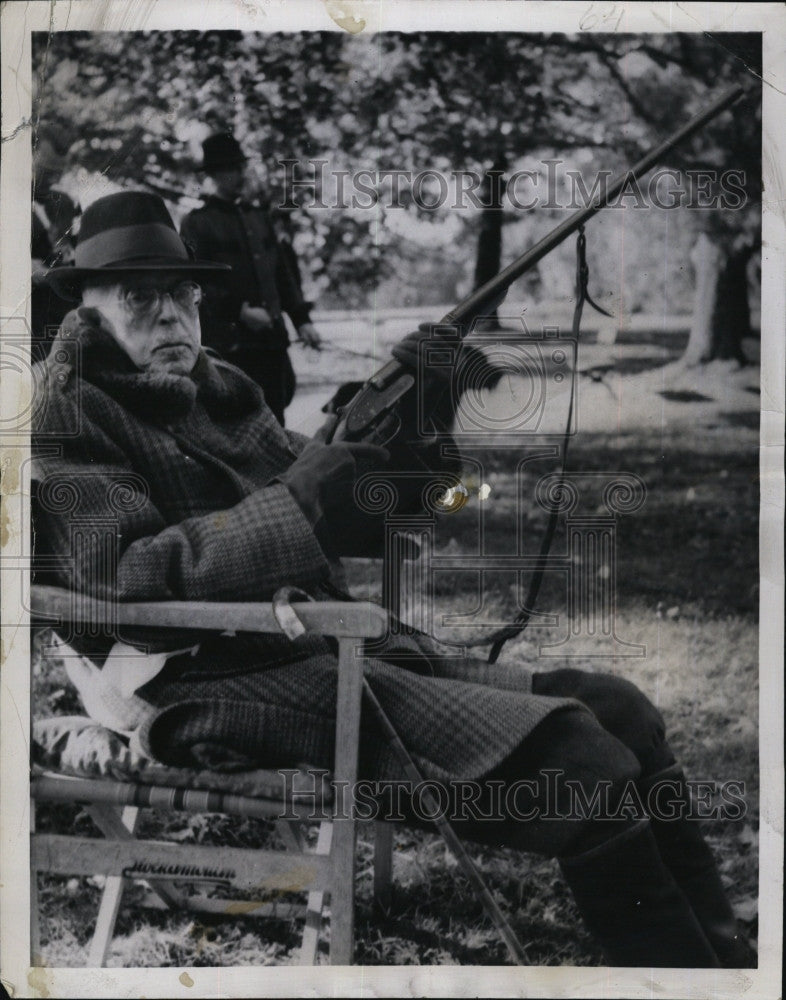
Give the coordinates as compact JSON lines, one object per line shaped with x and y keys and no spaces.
{"x":229,"y":181}
{"x":154,"y":318}
{"x":48,"y":167}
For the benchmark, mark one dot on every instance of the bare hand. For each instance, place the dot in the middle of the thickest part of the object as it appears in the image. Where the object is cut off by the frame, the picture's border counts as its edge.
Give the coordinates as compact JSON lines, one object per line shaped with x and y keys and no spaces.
{"x":308,"y":335}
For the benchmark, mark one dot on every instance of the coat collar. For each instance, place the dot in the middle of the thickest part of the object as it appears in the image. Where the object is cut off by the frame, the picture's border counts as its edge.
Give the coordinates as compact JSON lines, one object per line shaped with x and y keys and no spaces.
{"x":85,"y":348}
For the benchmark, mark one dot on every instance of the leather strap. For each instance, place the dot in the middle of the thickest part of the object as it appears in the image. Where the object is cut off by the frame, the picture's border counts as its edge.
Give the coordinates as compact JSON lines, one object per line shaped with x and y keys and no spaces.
{"x":499,"y":638}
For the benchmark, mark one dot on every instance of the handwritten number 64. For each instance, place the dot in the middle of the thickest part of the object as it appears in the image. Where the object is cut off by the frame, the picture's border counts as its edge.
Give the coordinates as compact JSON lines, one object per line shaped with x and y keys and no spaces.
{"x":609,"y":15}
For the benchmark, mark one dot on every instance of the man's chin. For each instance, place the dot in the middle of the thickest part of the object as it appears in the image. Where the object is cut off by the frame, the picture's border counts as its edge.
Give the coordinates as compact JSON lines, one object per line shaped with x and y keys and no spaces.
{"x":173,"y":361}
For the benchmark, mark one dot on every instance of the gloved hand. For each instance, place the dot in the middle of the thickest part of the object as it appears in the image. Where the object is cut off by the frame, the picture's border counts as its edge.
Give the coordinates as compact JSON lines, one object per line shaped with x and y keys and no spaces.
{"x":322,"y":481}
{"x":343,"y":395}
{"x":407,"y":353}
{"x":421,"y":452}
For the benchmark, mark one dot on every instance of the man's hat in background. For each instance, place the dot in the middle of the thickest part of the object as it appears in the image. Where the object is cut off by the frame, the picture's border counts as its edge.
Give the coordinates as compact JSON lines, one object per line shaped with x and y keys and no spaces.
{"x":130,"y":232}
{"x":221,"y":151}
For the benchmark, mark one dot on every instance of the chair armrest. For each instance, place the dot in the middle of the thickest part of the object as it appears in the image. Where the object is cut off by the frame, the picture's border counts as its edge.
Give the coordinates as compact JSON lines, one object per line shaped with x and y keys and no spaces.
{"x":343,"y":619}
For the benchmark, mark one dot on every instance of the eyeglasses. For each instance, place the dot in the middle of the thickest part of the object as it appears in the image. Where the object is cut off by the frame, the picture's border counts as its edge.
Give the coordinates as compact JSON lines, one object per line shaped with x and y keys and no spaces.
{"x":141,"y":302}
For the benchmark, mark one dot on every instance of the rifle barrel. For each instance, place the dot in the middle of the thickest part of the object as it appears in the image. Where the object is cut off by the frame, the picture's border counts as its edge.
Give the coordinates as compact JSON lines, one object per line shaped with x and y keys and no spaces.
{"x":467,"y":308}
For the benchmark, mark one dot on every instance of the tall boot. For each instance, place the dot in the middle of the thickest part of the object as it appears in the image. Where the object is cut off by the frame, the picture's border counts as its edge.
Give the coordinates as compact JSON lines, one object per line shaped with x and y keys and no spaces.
{"x":632,"y":905}
{"x":689,"y":859}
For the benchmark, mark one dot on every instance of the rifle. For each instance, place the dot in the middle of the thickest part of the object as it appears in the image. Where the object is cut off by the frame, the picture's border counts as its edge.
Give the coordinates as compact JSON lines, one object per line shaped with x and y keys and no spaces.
{"x":375,"y":413}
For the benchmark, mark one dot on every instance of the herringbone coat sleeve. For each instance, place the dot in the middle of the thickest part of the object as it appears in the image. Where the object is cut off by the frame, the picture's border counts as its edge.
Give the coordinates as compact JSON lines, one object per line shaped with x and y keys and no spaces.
{"x":103,"y":527}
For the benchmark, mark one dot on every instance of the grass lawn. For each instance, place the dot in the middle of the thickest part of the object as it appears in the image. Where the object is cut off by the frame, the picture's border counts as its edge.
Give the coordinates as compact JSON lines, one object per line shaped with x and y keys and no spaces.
{"x":687,"y":575}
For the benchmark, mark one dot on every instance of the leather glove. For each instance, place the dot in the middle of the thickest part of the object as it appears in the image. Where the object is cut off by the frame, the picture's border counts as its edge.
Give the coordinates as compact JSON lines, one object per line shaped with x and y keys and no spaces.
{"x":343,"y":395}
{"x":322,"y":481}
{"x":423,"y":453}
{"x":407,"y":353}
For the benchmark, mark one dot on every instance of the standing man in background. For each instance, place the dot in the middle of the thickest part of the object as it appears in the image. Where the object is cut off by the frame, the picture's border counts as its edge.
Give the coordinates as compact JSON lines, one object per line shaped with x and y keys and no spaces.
{"x":53,"y":235}
{"x":244,"y":320}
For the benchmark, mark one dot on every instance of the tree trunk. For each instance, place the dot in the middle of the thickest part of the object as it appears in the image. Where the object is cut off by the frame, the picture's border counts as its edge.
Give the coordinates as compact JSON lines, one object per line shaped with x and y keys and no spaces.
{"x":721,"y":311}
{"x":731,"y":321}
{"x":489,"y":257}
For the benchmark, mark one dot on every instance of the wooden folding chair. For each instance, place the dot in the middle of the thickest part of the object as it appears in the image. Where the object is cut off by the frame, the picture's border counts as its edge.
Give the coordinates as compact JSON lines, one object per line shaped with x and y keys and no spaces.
{"x":326,"y":871}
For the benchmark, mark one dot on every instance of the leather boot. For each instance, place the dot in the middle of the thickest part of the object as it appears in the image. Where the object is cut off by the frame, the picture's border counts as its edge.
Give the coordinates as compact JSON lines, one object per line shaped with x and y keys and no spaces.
{"x":633,"y":907}
{"x":689,"y":859}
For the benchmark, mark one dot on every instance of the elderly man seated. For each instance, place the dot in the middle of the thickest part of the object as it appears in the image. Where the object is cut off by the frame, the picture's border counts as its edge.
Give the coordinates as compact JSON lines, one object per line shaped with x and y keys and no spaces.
{"x":188,"y":488}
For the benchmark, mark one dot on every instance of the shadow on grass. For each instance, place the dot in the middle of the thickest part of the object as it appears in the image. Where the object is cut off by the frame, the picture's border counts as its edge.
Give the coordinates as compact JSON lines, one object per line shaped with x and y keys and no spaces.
{"x":684,"y":396}
{"x":750,"y":420}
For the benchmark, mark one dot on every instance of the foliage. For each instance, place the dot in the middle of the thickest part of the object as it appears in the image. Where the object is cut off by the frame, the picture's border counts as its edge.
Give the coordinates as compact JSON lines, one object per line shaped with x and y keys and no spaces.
{"x":136,"y":108}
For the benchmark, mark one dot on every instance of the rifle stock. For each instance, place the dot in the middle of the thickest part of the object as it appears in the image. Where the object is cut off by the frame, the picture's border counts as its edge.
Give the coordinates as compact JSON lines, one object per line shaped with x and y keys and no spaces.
{"x":370,"y":410}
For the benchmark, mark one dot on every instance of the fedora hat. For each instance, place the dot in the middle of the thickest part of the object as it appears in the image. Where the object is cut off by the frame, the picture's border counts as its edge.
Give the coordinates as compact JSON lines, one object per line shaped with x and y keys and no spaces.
{"x":221,"y":151}
{"x":126,"y":233}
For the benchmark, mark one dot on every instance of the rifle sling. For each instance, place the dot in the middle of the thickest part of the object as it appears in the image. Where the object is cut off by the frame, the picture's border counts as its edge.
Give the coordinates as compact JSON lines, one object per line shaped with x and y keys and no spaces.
{"x":517,"y":626}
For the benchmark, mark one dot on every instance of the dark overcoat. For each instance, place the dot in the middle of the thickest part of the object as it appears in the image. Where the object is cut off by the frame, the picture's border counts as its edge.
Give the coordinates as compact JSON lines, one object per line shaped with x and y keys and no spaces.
{"x":157,"y":486}
{"x":264,"y":273}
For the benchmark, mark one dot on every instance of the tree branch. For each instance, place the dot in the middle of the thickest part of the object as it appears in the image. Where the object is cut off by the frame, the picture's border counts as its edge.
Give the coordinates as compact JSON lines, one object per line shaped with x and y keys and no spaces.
{"x":608,"y":61}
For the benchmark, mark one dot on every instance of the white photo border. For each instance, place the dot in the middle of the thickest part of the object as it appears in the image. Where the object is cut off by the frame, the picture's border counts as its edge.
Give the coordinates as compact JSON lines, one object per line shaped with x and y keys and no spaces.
{"x":19,"y":20}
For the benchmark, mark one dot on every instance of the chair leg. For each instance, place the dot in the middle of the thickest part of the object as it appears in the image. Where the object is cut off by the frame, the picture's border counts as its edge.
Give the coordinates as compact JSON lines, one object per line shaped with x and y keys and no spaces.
{"x":105,"y":924}
{"x":35,"y":913}
{"x":342,"y":891}
{"x":342,"y":901}
{"x":115,"y":885}
{"x":316,"y":902}
{"x":121,"y":827}
{"x":383,"y":866}
{"x":292,"y":835}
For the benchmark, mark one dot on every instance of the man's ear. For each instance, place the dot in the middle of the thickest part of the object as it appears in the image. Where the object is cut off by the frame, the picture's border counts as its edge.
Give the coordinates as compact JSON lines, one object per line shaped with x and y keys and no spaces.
{"x":92,"y":318}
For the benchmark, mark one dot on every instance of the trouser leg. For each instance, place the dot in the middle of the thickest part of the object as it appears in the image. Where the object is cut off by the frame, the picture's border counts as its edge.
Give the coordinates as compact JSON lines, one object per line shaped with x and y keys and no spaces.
{"x":549,"y":779}
{"x":627,"y":897}
{"x":269,"y":374}
{"x":621,"y":709}
{"x":532,"y":800}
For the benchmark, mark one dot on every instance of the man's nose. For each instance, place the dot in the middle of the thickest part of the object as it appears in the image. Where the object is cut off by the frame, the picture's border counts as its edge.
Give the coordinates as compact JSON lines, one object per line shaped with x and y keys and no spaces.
{"x":167,"y":310}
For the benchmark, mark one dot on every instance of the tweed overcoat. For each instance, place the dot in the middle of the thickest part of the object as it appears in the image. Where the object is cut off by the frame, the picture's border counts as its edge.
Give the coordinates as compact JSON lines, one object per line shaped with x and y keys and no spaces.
{"x":156,"y":486}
